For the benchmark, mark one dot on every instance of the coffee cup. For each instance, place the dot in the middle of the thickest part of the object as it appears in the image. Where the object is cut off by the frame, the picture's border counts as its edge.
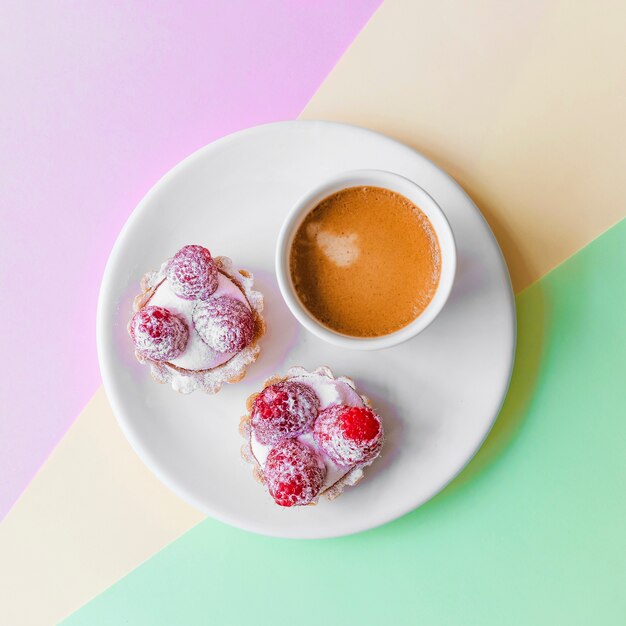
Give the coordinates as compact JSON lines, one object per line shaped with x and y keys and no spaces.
{"x":342,"y":250}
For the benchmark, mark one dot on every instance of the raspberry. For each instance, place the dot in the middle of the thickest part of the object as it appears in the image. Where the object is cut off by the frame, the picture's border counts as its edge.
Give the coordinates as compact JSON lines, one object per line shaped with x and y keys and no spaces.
{"x":285,"y":409}
{"x":158,"y":334}
{"x":225,"y":323}
{"x":349,"y":435}
{"x":294,"y":473}
{"x":192,"y":273}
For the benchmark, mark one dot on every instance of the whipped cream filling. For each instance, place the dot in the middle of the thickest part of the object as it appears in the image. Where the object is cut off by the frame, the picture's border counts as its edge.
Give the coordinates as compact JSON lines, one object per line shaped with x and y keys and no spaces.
{"x":329,"y":391}
{"x":198,"y":355}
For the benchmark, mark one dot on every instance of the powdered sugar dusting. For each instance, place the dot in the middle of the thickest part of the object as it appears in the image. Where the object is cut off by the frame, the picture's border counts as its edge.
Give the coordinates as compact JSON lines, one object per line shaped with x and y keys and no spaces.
{"x":192,"y":273}
{"x":294,"y":473}
{"x":199,"y":355}
{"x":158,"y":333}
{"x":285,"y":409}
{"x":224,"y":323}
{"x":200,"y":366}
{"x":331,"y":391}
{"x":349,"y":435}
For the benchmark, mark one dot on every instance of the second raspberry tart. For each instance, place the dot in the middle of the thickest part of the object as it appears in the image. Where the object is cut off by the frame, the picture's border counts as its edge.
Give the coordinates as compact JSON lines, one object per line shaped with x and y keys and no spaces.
{"x":309,"y":434}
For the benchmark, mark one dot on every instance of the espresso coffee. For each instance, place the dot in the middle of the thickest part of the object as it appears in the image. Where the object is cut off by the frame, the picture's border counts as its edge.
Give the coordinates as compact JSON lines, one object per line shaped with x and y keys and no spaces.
{"x":365,"y":262}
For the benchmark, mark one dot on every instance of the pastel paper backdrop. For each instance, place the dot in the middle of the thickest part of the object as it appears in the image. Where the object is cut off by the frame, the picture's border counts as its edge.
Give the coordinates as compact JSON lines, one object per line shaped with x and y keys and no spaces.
{"x":524,"y":104}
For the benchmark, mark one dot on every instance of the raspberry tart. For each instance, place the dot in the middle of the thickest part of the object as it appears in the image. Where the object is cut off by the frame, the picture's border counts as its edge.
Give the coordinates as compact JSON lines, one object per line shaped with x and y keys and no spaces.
{"x":197,"y":321}
{"x":309,"y":434}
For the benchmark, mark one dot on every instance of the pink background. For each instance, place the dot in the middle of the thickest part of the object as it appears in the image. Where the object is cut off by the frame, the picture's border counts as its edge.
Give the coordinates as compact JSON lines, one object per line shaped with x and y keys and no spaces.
{"x":99,"y":100}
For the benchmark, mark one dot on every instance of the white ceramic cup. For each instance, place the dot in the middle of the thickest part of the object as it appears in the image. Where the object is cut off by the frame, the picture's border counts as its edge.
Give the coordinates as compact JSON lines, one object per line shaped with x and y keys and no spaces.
{"x":371,"y":178}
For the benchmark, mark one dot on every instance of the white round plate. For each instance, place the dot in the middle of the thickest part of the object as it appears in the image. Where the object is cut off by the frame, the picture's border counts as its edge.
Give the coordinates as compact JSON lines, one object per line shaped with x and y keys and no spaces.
{"x":438,"y":393}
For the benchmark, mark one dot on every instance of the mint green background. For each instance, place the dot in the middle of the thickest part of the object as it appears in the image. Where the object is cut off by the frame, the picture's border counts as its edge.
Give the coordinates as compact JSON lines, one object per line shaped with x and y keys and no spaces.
{"x":532,"y":532}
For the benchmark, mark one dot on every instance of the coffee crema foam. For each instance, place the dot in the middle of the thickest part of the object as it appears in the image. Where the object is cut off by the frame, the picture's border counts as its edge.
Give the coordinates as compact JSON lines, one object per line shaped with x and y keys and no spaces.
{"x":365,"y":262}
